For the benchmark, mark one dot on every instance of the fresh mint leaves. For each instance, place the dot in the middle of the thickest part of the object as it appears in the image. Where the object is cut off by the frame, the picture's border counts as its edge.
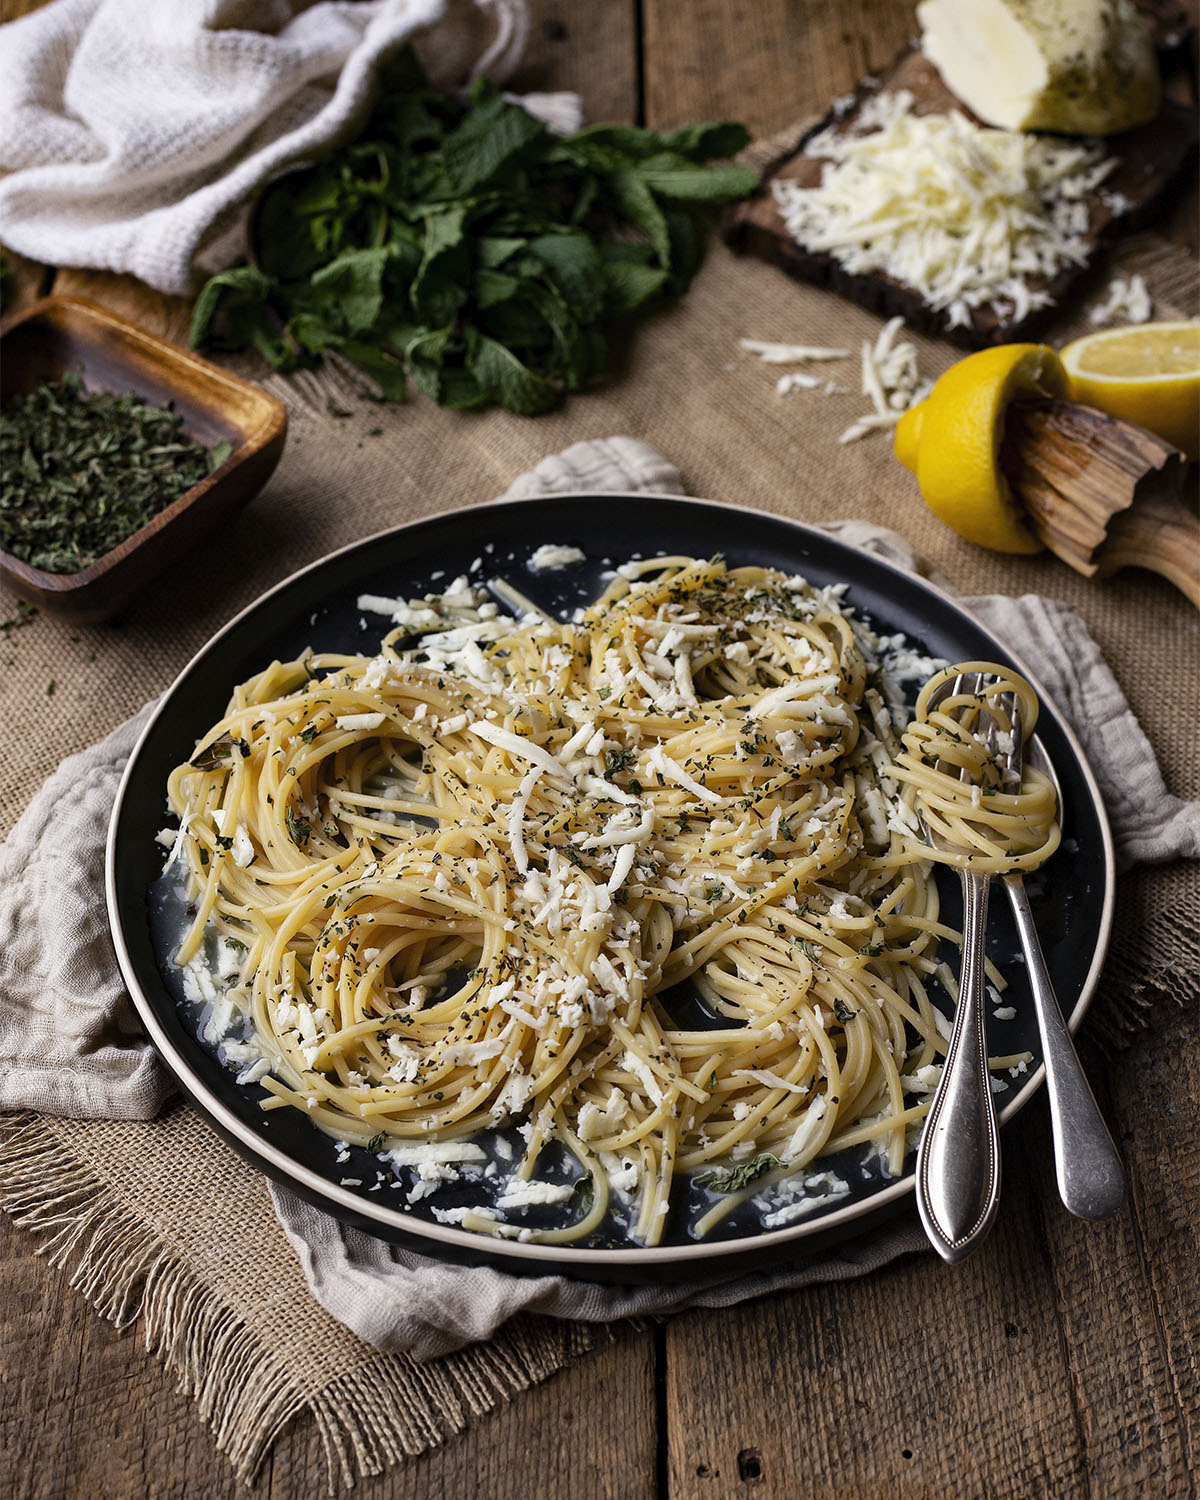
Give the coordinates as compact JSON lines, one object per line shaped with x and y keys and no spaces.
{"x":459,"y":244}
{"x":739,"y":1177}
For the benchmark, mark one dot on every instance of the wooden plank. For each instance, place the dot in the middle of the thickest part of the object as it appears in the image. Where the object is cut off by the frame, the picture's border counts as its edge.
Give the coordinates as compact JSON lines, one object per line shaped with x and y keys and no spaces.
{"x":1127,"y":1291}
{"x":767,"y":63}
{"x":24,"y":282}
{"x":86,"y":1410}
{"x":1180,"y":222}
{"x":1060,"y":1361}
{"x":588,"y":1432}
{"x":95,"y":1413}
{"x":591,"y":49}
{"x":11,"y":10}
{"x":918,"y":1380}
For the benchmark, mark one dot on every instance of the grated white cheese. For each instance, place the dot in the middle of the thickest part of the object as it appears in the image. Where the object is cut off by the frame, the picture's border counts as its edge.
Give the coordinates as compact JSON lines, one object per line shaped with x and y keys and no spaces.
{"x":361,"y":721}
{"x":526,"y":1194}
{"x":552,"y":555}
{"x":794,"y":380}
{"x":1128,"y":300}
{"x":516,"y":819}
{"x":960,"y":213}
{"x":459,"y":1215}
{"x":515,"y":744}
{"x":622,"y":1172}
{"x":242,"y":849}
{"x":807,"y":1130}
{"x":254,"y":1071}
{"x":659,"y":760}
{"x":622,"y":865}
{"x":890,"y":379}
{"x":799,"y":1207}
{"x":924,"y":1081}
{"x":790,"y":354}
{"x":619,"y":832}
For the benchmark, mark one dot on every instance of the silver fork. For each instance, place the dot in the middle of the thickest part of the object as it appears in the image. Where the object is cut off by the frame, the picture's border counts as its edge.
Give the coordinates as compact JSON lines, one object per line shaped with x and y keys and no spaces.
{"x":1091,"y":1180}
{"x":958,"y":1159}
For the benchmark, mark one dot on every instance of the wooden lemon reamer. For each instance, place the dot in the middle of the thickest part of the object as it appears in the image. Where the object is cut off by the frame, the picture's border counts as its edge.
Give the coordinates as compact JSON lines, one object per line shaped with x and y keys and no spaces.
{"x":1101,"y":493}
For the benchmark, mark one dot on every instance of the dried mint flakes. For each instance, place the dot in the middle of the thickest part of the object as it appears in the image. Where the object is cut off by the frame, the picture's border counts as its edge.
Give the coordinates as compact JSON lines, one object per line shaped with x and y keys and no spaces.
{"x":80,"y":471}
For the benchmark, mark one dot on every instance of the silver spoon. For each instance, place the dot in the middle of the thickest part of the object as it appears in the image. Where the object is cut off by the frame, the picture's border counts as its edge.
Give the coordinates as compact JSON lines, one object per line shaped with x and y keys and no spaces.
{"x":1091,"y":1179}
{"x":958,"y":1159}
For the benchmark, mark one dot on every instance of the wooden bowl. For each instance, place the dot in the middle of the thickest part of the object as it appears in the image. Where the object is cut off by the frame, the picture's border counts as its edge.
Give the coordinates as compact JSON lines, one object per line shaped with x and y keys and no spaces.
{"x":60,"y":334}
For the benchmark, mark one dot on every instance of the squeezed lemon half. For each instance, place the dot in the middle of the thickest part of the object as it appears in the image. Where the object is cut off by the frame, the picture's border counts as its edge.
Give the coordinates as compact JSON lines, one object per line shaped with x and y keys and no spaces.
{"x":951,"y":441}
{"x":1147,"y":373}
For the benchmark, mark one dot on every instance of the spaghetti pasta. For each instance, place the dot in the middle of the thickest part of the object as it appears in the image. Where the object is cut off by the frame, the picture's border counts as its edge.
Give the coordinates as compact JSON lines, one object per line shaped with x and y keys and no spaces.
{"x":960,"y":779}
{"x":644,"y":887}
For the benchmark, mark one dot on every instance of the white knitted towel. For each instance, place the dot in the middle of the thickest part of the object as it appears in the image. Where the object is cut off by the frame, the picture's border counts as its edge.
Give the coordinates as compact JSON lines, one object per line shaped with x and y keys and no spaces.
{"x":132,"y":131}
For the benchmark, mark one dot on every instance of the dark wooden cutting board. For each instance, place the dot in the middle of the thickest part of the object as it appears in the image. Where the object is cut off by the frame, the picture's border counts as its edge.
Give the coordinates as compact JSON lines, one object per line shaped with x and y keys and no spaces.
{"x":1149,"y":159}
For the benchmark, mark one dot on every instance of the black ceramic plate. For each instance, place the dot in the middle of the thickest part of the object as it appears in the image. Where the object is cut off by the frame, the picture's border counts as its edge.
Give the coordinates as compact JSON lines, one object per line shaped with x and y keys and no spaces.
{"x":1073,"y":899}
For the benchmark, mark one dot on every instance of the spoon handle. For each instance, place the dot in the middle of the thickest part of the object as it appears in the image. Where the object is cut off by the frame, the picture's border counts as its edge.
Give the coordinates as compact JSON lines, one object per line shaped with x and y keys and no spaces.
{"x":1091,"y":1180}
{"x":958,"y":1160}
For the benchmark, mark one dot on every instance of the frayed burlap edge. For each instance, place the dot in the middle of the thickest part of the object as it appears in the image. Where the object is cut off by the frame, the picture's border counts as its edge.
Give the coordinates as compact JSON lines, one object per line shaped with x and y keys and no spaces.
{"x":1154,"y":956}
{"x":377,"y":1414}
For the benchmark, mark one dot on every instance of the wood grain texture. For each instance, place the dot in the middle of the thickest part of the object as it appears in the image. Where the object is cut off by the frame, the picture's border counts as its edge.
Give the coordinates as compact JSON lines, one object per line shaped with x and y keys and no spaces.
{"x":591,"y":49}
{"x":1060,"y":1361}
{"x":1102,"y":493}
{"x":10,"y":10}
{"x":26,"y":280}
{"x":87,"y":1411}
{"x":766,"y":64}
{"x":1146,"y":164}
{"x":168,"y":317}
{"x":56,"y":337}
{"x":588,"y":1432}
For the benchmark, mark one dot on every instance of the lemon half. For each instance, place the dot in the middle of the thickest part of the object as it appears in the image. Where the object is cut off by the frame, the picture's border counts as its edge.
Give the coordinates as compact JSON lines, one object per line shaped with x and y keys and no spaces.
{"x":1147,"y":373}
{"x":951,"y":441}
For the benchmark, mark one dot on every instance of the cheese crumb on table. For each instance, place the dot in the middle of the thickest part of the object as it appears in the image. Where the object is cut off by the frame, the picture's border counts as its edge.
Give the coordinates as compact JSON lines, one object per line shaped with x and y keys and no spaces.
{"x":890,"y":376}
{"x":1127,"y":299}
{"x":890,"y":379}
{"x":790,"y":354}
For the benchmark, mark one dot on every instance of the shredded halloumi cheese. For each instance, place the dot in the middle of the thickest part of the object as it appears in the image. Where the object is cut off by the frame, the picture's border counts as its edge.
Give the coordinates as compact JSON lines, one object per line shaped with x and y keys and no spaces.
{"x":891,"y":381}
{"x":1128,"y":300}
{"x":962,"y":214}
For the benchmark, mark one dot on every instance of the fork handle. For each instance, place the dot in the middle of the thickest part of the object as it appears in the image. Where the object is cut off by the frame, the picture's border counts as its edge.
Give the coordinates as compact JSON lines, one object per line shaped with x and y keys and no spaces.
{"x":958,"y":1160}
{"x":1091,"y":1180}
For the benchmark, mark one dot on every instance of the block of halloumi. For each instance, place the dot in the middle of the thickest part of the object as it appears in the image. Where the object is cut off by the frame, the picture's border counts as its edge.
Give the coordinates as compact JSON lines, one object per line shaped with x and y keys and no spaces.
{"x":1081,"y":67}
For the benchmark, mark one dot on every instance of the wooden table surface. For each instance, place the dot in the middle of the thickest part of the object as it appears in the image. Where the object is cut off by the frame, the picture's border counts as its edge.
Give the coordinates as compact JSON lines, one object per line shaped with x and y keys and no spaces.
{"x":1061,"y":1360}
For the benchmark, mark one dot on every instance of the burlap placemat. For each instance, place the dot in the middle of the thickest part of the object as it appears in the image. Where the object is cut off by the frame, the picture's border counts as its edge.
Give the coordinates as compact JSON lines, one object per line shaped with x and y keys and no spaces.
{"x":209,"y":1274}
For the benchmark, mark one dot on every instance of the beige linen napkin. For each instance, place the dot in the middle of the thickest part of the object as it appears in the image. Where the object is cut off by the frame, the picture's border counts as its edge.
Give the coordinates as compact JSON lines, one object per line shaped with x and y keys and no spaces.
{"x":69,"y":1042}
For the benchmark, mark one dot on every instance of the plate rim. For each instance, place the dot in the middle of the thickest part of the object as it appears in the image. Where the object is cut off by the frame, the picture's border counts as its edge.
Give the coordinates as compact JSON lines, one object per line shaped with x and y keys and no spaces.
{"x":656,"y":1260}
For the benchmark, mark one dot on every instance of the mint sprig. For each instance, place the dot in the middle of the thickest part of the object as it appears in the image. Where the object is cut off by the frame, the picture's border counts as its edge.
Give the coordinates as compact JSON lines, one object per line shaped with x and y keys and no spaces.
{"x":462,"y":246}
